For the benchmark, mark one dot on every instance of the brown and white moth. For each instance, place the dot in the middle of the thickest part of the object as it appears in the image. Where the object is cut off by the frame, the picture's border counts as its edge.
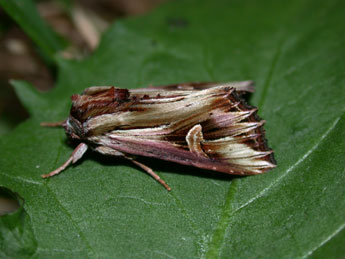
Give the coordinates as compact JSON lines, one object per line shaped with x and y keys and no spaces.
{"x":206,"y":125}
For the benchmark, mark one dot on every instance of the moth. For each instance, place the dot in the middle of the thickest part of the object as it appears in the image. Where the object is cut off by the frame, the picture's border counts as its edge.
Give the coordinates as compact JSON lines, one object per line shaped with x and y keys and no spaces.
{"x":205,"y":125}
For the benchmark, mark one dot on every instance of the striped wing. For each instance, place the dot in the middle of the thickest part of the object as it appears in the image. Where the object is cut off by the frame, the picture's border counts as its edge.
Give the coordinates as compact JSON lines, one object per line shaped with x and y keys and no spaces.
{"x":211,"y":128}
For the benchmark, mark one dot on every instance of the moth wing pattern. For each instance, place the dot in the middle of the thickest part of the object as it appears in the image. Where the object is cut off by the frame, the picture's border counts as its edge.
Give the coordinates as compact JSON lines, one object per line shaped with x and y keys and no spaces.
{"x":206,"y":125}
{"x":228,"y":135}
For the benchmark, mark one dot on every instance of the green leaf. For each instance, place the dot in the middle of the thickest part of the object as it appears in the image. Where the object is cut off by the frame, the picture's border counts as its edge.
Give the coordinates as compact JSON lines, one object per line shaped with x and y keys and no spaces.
{"x":24,"y":12}
{"x":11,"y":112}
{"x":104,"y":207}
{"x":32,"y":100}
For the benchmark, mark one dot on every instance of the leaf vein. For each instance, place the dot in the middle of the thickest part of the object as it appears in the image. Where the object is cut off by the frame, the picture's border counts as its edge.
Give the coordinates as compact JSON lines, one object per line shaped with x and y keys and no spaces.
{"x":68,"y":214}
{"x":333,"y":234}
{"x":269,"y":77}
{"x":217,"y":240}
{"x":291,"y":168}
{"x":20,"y":179}
{"x":184,"y":212}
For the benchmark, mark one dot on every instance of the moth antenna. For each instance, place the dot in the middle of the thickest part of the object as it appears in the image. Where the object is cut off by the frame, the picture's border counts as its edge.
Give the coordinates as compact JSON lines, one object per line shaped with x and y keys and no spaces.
{"x":53,"y":124}
{"x":75,"y":156}
{"x":150,"y":172}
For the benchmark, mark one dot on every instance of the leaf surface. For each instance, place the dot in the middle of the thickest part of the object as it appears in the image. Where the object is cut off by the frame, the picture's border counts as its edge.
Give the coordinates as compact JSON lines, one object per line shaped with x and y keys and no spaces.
{"x":104,"y":207}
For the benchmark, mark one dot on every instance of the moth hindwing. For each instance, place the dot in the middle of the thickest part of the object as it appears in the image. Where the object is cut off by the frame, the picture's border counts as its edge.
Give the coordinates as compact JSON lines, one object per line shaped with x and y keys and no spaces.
{"x":206,"y":125}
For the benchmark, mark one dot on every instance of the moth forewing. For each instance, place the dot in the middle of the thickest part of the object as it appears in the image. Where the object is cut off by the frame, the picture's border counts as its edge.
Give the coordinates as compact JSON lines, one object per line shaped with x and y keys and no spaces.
{"x":206,"y":125}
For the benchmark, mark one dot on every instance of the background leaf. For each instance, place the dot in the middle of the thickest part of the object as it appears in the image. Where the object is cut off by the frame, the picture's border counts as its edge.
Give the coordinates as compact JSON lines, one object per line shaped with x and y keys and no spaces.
{"x":103,"y":207}
{"x":27,"y":16}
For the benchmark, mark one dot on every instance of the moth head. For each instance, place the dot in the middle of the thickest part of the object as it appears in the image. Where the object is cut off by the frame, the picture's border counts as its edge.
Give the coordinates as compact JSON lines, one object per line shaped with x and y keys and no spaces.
{"x":73,"y":128}
{"x":93,"y":102}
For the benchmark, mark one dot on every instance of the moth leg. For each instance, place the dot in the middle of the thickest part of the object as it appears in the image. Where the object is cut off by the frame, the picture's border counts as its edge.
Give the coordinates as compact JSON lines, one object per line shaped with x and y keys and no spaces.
{"x":113,"y":152}
{"x":150,"y":172}
{"x":76,"y":155}
{"x":53,"y":124}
